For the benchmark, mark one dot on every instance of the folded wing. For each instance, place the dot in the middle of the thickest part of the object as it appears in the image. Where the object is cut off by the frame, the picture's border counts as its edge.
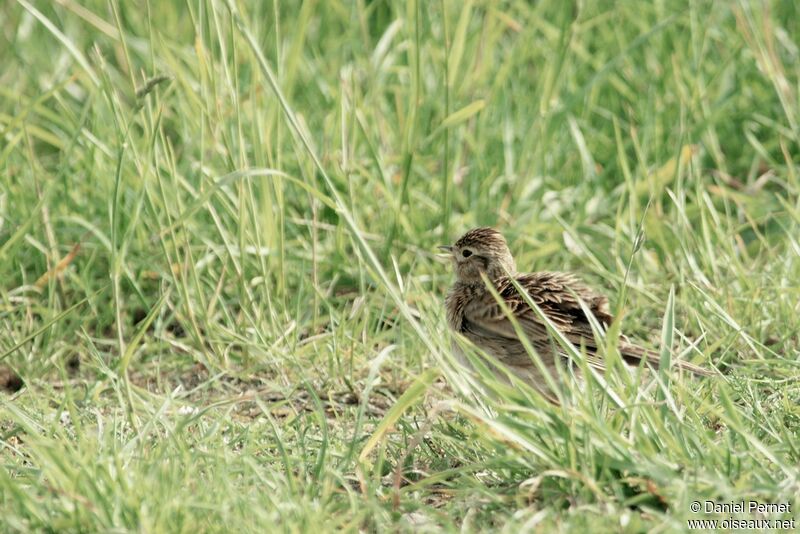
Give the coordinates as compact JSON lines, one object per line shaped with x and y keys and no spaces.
{"x":557,"y":295}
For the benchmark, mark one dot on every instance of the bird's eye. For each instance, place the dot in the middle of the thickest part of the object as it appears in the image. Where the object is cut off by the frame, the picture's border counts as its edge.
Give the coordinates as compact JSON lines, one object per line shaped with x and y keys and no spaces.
{"x":466,"y":253}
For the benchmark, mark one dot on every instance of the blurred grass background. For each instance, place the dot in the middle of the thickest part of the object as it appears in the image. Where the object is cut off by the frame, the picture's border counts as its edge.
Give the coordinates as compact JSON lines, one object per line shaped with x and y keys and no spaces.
{"x":217,"y":259}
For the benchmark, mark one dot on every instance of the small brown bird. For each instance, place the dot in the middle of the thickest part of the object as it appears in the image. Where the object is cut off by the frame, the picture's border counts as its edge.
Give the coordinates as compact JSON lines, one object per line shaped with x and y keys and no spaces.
{"x":473,"y":311}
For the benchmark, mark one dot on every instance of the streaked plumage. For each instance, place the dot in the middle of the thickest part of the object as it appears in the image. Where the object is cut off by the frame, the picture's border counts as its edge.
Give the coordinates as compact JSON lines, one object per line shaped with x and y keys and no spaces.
{"x":473,"y":311}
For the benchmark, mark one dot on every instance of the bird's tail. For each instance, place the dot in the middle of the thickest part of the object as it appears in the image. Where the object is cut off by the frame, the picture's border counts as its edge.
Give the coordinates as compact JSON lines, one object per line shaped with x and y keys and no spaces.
{"x":634,"y":354}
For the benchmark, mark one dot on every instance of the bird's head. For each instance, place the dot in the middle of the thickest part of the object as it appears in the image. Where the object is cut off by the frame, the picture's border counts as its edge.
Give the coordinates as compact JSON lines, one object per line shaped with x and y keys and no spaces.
{"x":481,"y":250}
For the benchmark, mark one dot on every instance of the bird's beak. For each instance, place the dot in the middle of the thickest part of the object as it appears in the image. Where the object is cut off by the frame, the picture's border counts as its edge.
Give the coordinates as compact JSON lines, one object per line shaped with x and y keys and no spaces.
{"x":445,"y":248}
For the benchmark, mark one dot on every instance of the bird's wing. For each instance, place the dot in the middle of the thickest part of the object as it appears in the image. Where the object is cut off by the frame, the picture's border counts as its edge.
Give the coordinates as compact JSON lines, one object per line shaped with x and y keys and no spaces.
{"x":555,"y":294}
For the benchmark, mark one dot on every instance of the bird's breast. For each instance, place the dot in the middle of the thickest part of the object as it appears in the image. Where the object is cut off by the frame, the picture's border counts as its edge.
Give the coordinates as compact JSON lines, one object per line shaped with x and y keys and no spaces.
{"x":455,"y":303}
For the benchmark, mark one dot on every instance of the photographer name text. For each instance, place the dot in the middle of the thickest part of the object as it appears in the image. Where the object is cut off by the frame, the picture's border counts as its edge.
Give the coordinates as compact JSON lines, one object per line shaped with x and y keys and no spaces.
{"x":740,"y":507}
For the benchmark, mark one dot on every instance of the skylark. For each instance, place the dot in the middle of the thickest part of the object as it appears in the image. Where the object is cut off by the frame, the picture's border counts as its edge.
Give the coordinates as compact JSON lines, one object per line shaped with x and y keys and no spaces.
{"x":473,"y":311}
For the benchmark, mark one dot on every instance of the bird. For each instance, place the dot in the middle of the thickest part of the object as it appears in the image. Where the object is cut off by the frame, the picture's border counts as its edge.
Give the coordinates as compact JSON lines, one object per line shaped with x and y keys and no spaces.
{"x":481,"y":257}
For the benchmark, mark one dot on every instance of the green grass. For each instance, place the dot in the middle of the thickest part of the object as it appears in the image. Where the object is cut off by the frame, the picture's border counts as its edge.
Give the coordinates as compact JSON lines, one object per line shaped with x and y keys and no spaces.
{"x":250,"y":336}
